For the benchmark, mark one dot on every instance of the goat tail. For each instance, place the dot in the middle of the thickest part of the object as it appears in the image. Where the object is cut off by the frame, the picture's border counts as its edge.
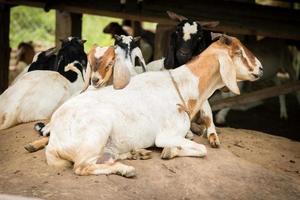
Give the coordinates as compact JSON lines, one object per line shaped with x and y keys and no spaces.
{"x":42,"y":129}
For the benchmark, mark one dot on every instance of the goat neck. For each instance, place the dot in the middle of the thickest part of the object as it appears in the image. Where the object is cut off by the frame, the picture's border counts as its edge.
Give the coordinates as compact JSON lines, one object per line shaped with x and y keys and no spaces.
{"x":203,"y":77}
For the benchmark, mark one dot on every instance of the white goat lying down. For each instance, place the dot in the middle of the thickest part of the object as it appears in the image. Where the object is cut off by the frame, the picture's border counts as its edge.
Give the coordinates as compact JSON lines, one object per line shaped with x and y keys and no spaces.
{"x":37,"y":94}
{"x":145,"y":112}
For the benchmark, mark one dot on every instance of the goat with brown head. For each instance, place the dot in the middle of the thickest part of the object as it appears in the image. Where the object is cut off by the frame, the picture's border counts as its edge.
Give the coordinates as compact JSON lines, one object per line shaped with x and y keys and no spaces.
{"x":100,"y":66}
{"x":235,"y":61}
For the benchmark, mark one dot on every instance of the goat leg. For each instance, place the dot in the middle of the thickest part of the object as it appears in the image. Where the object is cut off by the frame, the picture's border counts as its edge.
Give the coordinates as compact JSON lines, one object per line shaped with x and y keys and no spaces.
{"x":37,"y":144}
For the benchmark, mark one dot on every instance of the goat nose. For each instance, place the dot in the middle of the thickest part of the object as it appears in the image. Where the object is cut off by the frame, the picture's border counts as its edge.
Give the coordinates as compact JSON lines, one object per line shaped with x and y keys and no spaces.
{"x":95,"y":80}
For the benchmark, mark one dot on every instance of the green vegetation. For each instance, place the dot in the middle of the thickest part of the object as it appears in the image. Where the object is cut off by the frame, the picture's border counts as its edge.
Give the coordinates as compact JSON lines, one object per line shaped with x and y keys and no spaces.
{"x":92,"y":27}
{"x":33,"y":24}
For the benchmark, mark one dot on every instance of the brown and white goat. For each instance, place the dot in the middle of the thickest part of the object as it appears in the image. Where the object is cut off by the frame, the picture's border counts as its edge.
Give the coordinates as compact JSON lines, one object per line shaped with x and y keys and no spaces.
{"x":115,"y":125}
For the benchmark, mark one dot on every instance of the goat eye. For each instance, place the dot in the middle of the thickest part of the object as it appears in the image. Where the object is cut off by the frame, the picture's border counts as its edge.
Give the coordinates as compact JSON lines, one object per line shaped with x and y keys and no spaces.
{"x":239,"y":52}
{"x":106,"y":68}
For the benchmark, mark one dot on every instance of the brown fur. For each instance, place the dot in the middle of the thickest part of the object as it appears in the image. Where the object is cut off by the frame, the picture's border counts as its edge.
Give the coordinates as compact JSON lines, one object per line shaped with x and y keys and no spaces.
{"x":25,"y":52}
{"x":205,"y":120}
{"x":108,"y":56}
{"x":192,"y":104}
{"x":37,"y":144}
{"x":206,"y":65}
{"x":101,"y":63}
{"x":234,"y":49}
{"x":214,"y":140}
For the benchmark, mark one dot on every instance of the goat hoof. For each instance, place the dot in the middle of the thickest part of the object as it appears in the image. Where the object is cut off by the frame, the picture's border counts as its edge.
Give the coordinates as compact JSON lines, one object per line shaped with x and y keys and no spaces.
{"x":168,"y":153}
{"x":141,"y":154}
{"x":213,"y":140}
{"x":198,"y":129}
{"x":30,"y":148}
{"x":130,"y":172}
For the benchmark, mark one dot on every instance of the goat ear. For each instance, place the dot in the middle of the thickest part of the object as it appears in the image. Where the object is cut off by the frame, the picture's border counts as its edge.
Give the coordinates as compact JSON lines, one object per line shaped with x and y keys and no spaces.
{"x":121,"y":76}
{"x":224,"y":39}
{"x":228,"y":73}
{"x":117,"y":37}
{"x":137,"y":53}
{"x":176,"y":17}
{"x":208,"y":25}
{"x":135,"y":39}
{"x":87,"y":77}
{"x":51,"y":51}
{"x":63,"y":40}
{"x":82,"y":41}
{"x":169,"y":61}
{"x":215,"y":35}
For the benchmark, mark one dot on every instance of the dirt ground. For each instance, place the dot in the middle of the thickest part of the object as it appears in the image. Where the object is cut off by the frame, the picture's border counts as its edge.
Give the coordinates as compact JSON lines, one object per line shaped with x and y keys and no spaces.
{"x":249,"y":165}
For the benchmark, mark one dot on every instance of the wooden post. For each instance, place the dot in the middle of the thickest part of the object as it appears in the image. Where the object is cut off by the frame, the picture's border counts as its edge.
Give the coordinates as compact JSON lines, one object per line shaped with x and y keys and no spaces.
{"x":162,"y":38}
{"x":4,"y":46}
{"x":256,"y":95}
{"x":67,"y":24}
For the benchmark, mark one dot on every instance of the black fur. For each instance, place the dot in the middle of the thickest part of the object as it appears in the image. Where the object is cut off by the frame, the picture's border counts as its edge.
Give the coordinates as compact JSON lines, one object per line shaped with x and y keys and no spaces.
{"x":114,"y":29}
{"x":45,"y":60}
{"x":54,"y":60}
{"x":38,"y":127}
{"x":180,"y":51}
{"x":128,"y":48}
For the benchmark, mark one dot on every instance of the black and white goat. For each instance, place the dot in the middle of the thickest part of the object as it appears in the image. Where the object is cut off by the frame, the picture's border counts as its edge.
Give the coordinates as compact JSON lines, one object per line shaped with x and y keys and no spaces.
{"x":146,"y":43}
{"x":55,"y":59}
{"x":36,"y":94}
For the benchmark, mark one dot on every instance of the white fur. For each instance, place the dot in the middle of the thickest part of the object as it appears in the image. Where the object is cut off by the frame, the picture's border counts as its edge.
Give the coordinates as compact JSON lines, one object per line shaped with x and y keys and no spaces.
{"x":35,"y":96}
{"x":127,"y":39}
{"x":188,"y":30}
{"x":100,"y":51}
{"x":141,"y":115}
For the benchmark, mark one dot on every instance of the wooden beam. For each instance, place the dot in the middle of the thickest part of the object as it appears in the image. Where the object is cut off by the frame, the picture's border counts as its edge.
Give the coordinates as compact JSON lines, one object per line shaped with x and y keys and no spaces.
{"x":255,"y":96}
{"x":235,"y":17}
{"x":66,"y":25}
{"x":4,"y":46}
